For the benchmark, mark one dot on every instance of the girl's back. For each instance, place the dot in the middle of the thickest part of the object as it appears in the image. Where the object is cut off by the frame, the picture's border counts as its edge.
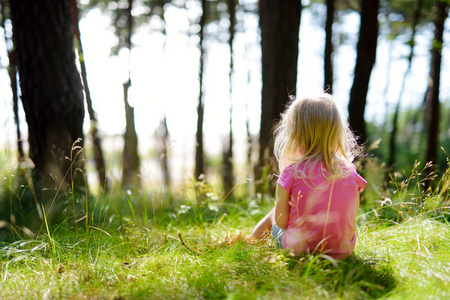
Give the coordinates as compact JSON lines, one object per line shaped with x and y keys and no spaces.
{"x":323,"y":210}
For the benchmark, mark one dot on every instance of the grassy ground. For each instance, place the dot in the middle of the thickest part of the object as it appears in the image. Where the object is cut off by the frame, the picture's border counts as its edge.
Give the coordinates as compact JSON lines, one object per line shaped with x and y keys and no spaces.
{"x":214,"y":261}
{"x":198,"y":251}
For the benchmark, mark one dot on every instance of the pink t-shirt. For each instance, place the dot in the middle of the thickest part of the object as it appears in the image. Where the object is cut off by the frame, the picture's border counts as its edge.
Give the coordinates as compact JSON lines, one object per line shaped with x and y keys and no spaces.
{"x":323,"y":212}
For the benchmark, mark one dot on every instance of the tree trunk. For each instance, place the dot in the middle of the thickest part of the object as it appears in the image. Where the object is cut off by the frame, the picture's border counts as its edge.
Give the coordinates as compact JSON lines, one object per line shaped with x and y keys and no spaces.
{"x":98,"y":153}
{"x":228,"y":156}
{"x":199,"y":155}
{"x":249,"y":163}
{"x":328,"y":56}
{"x":164,"y":136}
{"x":412,"y":42}
{"x":366,"y":54}
{"x":432,"y":96}
{"x":51,"y":94}
{"x":280,"y":24}
{"x":12,"y":72}
{"x":131,"y":162}
{"x":387,"y":84}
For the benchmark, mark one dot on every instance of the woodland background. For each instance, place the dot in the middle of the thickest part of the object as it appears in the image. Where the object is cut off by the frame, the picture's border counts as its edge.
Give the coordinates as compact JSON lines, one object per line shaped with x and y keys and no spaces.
{"x":135,"y":147}
{"x":50,"y":90}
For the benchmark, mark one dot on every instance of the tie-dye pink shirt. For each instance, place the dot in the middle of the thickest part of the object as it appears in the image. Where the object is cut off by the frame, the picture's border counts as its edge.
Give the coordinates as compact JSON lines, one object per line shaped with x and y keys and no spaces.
{"x":322,"y":216}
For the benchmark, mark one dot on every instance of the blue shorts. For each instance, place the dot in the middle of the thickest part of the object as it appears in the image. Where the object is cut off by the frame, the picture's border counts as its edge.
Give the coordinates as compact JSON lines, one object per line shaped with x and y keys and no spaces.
{"x":277,"y":235}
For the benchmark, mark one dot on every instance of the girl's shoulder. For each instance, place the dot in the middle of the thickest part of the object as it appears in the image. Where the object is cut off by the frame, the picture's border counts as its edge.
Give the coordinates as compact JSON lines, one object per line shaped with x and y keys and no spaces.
{"x":288,"y":172}
{"x":351,"y":174}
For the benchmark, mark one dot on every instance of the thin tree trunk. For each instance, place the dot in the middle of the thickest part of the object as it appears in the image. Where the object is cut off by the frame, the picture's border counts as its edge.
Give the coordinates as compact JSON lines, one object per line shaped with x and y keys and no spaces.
{"x":249,"y":163}
{"x":432,"y":96}
{"x":228,"y":157}
{"x":199,"y":154}
{"x":393,"y":136}
{"x":418,"y":118}
{"x":131,"y":163}
{"x":366,"y":54}
{"x":164,"y":135}
{"x":328,"y":55}
{"x":12,"y":72}
{"x":98,"y":153}
{"x":387,"y":85}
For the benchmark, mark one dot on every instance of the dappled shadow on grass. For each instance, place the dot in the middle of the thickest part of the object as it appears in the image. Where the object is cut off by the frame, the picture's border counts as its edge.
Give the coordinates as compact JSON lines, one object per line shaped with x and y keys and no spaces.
{"x":356,"y":276}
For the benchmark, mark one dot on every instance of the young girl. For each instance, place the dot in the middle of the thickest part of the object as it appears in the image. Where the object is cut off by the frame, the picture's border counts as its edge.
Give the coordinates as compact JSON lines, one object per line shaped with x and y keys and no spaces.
{"x":318,"y":189}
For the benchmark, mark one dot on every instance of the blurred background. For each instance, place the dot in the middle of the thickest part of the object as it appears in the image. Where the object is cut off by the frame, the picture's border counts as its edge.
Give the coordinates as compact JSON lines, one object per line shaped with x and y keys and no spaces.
{"x":204,"y":78}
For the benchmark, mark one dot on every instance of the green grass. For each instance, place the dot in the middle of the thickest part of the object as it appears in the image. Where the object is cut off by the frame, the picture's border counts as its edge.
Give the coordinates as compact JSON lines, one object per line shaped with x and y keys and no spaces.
{"x":405,"y":261}
{"x":199,"y":249}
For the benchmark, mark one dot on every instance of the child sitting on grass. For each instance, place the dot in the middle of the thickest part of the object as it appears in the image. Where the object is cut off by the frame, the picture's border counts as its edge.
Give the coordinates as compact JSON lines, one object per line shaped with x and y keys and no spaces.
{"x":318,"y":190}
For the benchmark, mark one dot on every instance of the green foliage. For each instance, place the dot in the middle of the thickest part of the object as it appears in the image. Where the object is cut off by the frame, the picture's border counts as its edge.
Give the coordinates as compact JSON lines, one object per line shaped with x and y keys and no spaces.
{"x":411,"y":140}
{"x":152,"y":11}
{"x":144,"y":11}
{"x":405,"y":9}
{"x":341,"y":5}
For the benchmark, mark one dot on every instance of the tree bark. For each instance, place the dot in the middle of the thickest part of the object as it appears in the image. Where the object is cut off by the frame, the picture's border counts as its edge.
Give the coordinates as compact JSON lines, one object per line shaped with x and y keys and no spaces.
{"x":164,"y":136}
{"x":12,"y":72}
{"x":328,"y":55}
{"x":98,"y":153}
{"x":228,"y":156}
{"x":131,"y":162}
{"x":432,"y":96}
{"x":366,"y":54}
{"x":51,"y":94}
{"x":199,"y":154}
{"x":280,"y":24}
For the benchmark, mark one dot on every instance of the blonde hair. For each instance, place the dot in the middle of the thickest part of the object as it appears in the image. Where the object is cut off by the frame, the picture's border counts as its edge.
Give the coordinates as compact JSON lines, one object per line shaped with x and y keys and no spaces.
{"x":312,"y":130}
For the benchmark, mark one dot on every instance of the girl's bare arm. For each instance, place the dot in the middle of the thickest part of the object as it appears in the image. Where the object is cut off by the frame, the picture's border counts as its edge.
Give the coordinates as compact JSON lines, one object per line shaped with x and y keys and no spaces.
{"x":282,"y":207}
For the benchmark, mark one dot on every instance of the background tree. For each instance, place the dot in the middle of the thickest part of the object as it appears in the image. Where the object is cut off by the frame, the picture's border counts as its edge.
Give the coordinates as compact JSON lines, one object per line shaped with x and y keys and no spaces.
{"x":280,"y":24}
{"x":163,"y":137}
{"x":334,"y":8}
{"x":228,"y":156}
{"x":412,"y":41}
{"x":199,"y":154}
{"x":124,"y":23}
{"x":131,"y":162}
{"x":98,"y":152}
{"x":12,"y":72}
{"x":117,"y":10}
{"x":51,"y":94}
{"x":366,"y":54}
{"x":328,"y":55}
{"x":432,"y":96}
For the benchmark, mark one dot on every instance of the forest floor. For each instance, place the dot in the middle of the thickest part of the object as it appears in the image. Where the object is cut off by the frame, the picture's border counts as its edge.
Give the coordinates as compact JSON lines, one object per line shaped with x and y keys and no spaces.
{"x":188,"y":260}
